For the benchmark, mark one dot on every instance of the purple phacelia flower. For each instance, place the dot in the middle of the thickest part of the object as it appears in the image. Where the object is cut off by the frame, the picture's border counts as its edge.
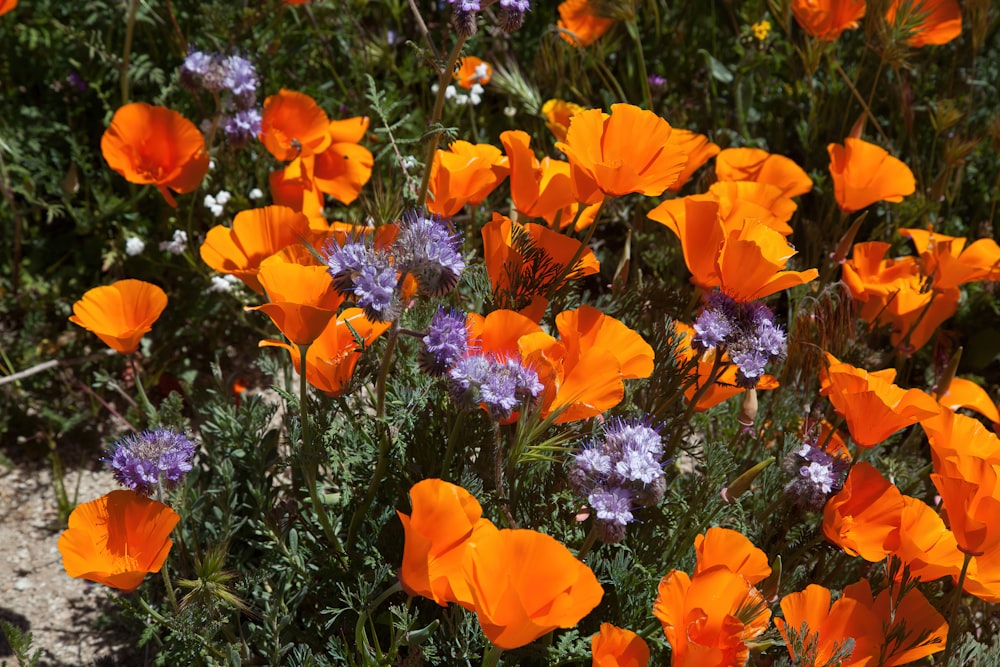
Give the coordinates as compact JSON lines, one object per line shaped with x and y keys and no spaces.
{"x":815,"y":475}
{"x":445,"y":343}
{"x":711,"y":329}
{"x":242,"y":126}
{"x":151,"y":460}
{"x":428,"y":250}
{"x":240,"y":79}
{"x":500,"y":386}
{"x":613,"y":505}
{"x":375,"y":290}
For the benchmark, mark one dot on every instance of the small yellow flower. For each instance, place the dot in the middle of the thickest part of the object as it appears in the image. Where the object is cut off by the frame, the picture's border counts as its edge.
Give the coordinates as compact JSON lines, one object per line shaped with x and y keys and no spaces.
{"x":761,"y":29}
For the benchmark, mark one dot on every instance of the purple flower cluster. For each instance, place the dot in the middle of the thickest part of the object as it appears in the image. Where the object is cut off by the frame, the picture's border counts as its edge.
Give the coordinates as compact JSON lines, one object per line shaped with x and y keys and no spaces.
{"x":816,"y":475}
{"x":446,"y":342}
{"x":151,"y":460}
{"x":618,"y":472}
{"x":425,"y":248}
{"x":498,"y":384}
{"x":510,"y":16}
{"x":235,"y":75}
{"x":747,"y":332}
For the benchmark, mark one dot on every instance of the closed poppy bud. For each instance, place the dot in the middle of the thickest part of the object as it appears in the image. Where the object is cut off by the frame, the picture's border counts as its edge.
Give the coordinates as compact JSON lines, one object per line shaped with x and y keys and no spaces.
{"x":525,"y":584}
{"x":157,"y":146}
{"x":618,"y":647}
{"x":120,"y":313}
{"x":864,"y":173}
{"x":117,"y":539}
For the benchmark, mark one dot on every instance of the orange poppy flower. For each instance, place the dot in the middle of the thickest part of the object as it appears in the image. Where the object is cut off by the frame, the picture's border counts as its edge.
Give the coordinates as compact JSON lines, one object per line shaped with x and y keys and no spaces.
{"x":523,"y":261}
{"x":293,"y":186}
{"x":332,"y":357}
{"x":751,"y":263}
{"x":464,"y":174}
{"x":302,"y":299}
{"x":292,"y":125}
{"x":117,"y":539}
{"x":949,"y":263}
{"x":724,"y":387}
{"x":732,"y":550}
{"x":885,"y":629}
{"x":6,"y":6}
{"x":926,"y":21}
{"x":749,"y":199}
{"x":874,"y":407}
{"x":829,"y":626}
{"x":578,"y":24}
{"x":864,"y":173}
{"x":344,"y":167}
{"x":525,"y":584}
{"x":583,"y":371}
{"x":445,"y":518}
{"x":826,"y":19}
{"x":756,"y":164}
{"x":627,"y":151}
{"x":157,"y":146}
{"x":892,"y":291}
{"x":709,"y":618}
{"x":925,"y":544}
{"x":558,"y":114}
{"x":618,"y":647}
{"x":541,"y":189}
{"x":121,"y":313}
{"x":473,"y":70}
{"x":256,"y":234}
{"x":864,"y":518}
{"x":699,"y":150}
{"x":964,"y":393}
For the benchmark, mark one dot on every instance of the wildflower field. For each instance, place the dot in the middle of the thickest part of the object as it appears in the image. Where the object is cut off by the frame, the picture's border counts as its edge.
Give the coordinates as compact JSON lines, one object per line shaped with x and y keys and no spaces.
{"x":509,"y":332}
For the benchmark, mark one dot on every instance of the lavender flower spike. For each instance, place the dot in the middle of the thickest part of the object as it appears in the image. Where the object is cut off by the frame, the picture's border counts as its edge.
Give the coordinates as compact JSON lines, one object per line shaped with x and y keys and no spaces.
{"x":151,"y":460}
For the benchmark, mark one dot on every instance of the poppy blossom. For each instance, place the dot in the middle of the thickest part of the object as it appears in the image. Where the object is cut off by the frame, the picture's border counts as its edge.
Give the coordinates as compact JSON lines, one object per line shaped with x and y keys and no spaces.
{"x":864,"y":173}
{"x":618,"y":647}
{"x":331,"y":358}
{"x":157,"y":146}
{"x":864,"y":518}
{"x":709,"y":618}
{"x":751,"y":264}
{"x":6,"y":6}
{"x":827,"y":19}
{"x":886,"y":629}
{"x":464,"y":174}
{"x":949,"y":263}
{"x":292,"y":125}
{"x":444,"y":519}
{"x":730,"y":549}
{"x":523,"y":261}
{"x":558,"y":114}
{"x":578,"y":23}
{"x":628,"y":150}
{"x":964,"y":393}
{"x":873,"y":406}
{"x":121,"y":313}
{"x":345,"y":166}
{"x":525,"y":584}
{"x":699,"y":150}
{"x":756,"y":164}
{"x":293,"y":186}
{"x":256,"y":234}
{"x":892,"y":291}
{"x":926,"y":22}
{"x":926,"y":545}
{"x":117,"y":539}
{"x":301,"y":299}
{"x":541,"y":189}
{"x":473,"y":70}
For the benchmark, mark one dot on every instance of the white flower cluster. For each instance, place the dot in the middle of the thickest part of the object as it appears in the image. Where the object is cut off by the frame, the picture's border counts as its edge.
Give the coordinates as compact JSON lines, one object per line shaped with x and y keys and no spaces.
{"x":216,"y":204}
{"x":176,"y":246}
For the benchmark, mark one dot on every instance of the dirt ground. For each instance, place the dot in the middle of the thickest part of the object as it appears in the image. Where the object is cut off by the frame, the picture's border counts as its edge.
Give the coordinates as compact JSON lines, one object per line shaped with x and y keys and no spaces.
{"x":63,"y":614}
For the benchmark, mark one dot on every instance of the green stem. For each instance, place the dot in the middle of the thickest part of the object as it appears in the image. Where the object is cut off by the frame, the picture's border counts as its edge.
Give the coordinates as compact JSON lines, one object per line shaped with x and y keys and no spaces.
{"x":147,"y":407}
{"x":385,"y":442}
{"x":588,"y":542}
{"x":633,"y":31}
{"x":713,"y":375}
{"x":170,"y":589}
{"x":432,"y":145}
{"x":491,"y":658}
{"x":953,"y":614}
{"x":449,"y":453}
{"x":311,"y":458}
{"x":133,"y":5}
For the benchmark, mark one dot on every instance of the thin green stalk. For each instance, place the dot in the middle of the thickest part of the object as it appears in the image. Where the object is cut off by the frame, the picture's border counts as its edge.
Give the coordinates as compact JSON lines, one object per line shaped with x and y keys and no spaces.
{"x":713,"y":375}
{"x":168,"y":584}
{"x":133,"y":5}
{"x":449,"y":453}
{"x":956,"y":598}
{"x":147,"y":407}
{"x":491,"y":658}
{"x":633,"y":31}
{"x":432,"y":145}
{"x":385,"y":442}
{"x":588,"y":542}
{"x":311,"y":456}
